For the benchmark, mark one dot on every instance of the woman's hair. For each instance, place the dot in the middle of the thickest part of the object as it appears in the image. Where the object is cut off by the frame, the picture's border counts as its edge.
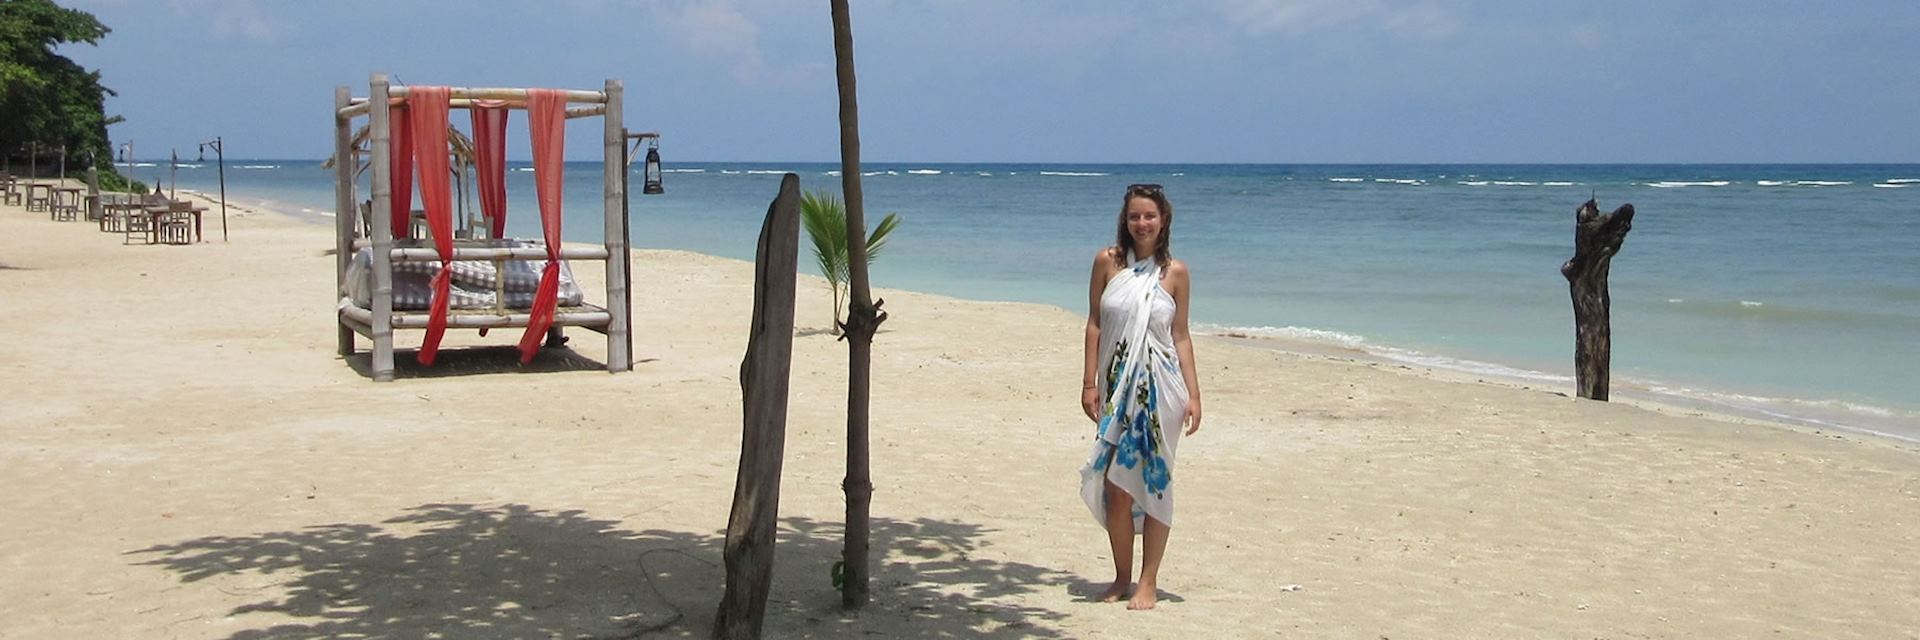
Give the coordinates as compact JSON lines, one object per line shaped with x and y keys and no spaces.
{"x":1123,"y":241}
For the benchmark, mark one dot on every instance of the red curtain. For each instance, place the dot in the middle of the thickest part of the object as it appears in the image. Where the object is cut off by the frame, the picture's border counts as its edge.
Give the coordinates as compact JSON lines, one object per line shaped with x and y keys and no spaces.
{"x":547,"y":120}
{"x":400,"y":164}
{"x":429,"y":107}
{"x":490,"y":160}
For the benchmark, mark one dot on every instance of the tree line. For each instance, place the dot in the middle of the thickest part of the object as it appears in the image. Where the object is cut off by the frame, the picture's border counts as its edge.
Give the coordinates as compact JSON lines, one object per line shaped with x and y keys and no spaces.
{"x":50,"y":101}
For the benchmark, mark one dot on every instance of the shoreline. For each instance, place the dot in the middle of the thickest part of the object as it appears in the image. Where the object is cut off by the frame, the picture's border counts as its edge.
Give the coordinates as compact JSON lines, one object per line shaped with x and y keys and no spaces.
{"x":1898,"y":424}
{"x":1624,"y":389}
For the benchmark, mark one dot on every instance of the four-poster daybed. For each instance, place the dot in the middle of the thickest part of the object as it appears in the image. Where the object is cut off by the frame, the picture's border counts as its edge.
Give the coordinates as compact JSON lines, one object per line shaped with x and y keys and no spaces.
{"x":418,"y":115}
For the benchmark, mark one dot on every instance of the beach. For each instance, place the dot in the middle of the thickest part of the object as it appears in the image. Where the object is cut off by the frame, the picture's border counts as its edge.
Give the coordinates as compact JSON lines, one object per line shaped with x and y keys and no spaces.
{"x":185,"y":456}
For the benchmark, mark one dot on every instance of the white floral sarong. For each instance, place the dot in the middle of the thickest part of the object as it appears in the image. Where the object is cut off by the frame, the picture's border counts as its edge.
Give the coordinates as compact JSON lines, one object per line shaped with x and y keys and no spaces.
{"x":1143,"y":397}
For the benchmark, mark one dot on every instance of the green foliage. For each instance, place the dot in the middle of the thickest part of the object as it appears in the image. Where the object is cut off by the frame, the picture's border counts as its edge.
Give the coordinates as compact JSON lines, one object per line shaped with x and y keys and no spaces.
{"x":47,"y":98}
{"x":826,"y":221}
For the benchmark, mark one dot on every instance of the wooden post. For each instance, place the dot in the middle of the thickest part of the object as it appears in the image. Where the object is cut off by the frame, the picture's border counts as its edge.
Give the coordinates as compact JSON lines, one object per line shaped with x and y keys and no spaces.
{"x":382,"y":231}
{"x":93,"y":189}
{"x":343,"y":210}
{"x":614,"y":141}
{"x":764,"y":376}
{"x":1596,"y":238}
{"x":863,"y":320}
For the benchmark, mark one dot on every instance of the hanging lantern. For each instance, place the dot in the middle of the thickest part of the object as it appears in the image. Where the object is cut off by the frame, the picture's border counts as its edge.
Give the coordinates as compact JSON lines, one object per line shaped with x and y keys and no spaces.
{"x":652,"y":186}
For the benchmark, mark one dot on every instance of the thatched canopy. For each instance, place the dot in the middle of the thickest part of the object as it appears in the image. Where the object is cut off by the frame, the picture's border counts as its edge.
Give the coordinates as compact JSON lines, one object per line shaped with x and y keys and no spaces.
{"x":461,"y":147}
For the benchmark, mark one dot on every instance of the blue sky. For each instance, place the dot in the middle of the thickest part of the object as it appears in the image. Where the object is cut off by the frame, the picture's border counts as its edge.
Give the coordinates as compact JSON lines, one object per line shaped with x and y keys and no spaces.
{"x":1064,"y":81}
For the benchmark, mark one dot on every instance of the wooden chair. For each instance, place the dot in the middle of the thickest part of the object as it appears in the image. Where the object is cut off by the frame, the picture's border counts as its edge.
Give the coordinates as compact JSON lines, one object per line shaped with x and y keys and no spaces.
{"x":10,"y":189}
{"x":138,"y":221}
{"x":65,"y":204}
{"x":41,"y":201}
{"x":176,"y":225}
{"x":112,"y":212}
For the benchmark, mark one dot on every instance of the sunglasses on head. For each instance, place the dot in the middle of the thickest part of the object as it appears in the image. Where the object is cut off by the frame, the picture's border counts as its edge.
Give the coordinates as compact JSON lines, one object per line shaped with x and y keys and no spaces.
{"x":1143,"y":188}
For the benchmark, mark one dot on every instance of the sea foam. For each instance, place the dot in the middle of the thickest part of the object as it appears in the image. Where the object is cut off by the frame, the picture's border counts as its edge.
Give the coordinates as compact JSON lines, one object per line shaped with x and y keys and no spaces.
{"x":1476,"y":367}
{"x":1285,"y":333}
{"x":1675,"y":184}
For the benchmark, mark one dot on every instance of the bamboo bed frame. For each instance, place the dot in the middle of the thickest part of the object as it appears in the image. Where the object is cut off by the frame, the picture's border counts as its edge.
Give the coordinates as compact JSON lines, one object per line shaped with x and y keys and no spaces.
{"x":378,"y":322}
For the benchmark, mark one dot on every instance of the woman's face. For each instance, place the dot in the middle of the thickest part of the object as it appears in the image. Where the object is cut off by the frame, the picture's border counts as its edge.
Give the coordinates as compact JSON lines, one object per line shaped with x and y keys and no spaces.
{"x":1143,"y":221}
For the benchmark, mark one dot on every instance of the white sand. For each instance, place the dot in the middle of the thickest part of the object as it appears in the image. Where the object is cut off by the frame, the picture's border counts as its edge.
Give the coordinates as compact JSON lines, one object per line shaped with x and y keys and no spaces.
{"x":183,"y":455}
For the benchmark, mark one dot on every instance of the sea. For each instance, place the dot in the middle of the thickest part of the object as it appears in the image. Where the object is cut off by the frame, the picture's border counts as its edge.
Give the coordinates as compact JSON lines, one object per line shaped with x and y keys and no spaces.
{"x":1787,"y":292}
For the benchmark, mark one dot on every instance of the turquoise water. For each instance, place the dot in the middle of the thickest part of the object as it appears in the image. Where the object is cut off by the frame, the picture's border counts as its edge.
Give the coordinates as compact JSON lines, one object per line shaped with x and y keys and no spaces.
{"x":1789,"y":290}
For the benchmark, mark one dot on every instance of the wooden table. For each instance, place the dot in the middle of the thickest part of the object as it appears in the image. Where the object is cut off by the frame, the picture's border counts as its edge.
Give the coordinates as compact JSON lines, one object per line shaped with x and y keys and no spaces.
{"x":157,"y":213}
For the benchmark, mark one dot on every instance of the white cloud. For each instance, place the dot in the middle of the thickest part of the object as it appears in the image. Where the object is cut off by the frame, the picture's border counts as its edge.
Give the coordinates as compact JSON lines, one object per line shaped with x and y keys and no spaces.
{"x":717,"y":29}
{"x":1302,"y":16}
{"x":235,"y":19}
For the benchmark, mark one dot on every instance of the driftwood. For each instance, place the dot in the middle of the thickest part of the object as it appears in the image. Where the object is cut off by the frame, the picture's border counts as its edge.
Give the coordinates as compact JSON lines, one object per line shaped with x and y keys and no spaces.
{"x":863,"y":320}
{"x":1596,"y":238}
{"x":763,"y":386}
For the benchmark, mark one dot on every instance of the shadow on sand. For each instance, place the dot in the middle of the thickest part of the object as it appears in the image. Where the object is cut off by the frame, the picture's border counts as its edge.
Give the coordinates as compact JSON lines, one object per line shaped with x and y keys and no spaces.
{"x":513,"y":571}
{"x":474,"y":361}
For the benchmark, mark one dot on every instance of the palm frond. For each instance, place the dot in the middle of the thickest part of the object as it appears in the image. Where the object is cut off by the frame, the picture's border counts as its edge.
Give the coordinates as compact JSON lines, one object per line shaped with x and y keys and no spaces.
{"x":826,"y":222}
{"x":878,"y":238}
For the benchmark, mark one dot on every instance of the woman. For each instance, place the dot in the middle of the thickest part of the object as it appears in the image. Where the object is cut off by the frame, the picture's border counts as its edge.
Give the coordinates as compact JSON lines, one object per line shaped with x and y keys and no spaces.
{"x":1139,"y":376}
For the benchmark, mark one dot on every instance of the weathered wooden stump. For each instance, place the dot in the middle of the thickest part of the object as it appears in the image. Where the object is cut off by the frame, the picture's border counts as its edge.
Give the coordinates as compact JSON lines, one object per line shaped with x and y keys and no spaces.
{"x":763,"y":388}
{"x":1596,"y":238}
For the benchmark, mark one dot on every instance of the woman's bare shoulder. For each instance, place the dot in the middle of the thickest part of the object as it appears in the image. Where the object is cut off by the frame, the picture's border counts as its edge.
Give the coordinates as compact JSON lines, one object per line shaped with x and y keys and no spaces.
{"x":1106,"y":258}
{"x":1177,"y":269}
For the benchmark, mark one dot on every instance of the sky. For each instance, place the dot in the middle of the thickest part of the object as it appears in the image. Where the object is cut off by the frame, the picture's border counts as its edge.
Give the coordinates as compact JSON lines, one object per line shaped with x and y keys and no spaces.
{"x":1069,"y":81}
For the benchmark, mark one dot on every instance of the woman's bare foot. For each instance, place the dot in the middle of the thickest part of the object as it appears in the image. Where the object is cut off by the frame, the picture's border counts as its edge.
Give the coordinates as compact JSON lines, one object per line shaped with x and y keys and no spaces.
{"x":1116,"y":592}
{"x":1144,"y":598}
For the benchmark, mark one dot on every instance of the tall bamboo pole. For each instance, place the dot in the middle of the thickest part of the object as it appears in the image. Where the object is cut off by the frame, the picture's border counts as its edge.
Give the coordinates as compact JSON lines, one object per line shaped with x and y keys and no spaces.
{"x":613,"y":233}
{"x":863,"y":319}
{"x":344,"y":211}
{"x":382,"y":181}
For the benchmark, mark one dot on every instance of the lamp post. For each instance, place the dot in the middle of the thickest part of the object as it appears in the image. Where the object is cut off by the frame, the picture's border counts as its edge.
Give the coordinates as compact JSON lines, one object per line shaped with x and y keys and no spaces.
{"x":220,"y":153}
{"x":650,"y":176}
